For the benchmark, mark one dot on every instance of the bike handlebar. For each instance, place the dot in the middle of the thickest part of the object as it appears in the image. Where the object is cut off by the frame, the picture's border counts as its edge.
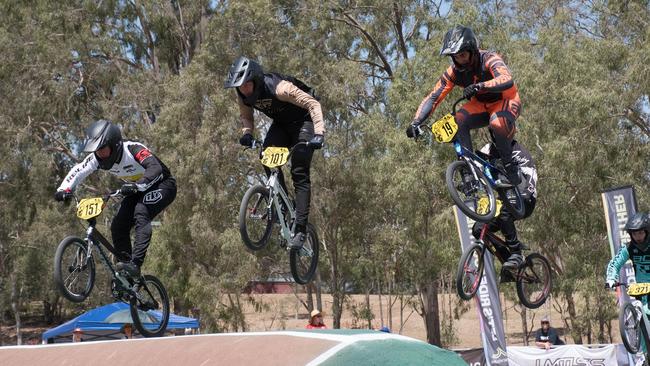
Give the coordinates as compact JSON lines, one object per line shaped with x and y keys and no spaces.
{"x":453,"y":113}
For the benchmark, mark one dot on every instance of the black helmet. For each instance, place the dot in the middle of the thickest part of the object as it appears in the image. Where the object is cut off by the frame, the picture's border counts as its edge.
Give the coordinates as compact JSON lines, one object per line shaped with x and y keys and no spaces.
{"x":243,"y":70}
{"x":459,"y":39}
{"x":639,"y":221}
{"x":104,"y":133}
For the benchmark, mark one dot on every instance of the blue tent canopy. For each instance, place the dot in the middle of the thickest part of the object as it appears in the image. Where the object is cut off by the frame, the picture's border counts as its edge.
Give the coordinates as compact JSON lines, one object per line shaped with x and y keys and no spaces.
{"x":107,"y":322}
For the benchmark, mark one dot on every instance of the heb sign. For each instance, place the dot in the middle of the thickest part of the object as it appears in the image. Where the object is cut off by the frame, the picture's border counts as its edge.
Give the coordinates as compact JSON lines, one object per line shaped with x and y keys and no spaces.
{"x":619,"y":205}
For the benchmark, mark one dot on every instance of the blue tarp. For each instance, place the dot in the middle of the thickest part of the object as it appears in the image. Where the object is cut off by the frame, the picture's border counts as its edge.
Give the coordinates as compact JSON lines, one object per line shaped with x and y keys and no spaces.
{"x":109,"y":320}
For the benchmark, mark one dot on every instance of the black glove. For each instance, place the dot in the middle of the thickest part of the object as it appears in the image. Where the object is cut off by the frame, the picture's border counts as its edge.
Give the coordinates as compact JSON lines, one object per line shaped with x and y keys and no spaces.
{"x":471,"y":91}
{"x":246,"y":140}
{"x":413,"y":130}
{"x":129,"y":189}
{"x":317,"y":142}
{"x":62,"y":195}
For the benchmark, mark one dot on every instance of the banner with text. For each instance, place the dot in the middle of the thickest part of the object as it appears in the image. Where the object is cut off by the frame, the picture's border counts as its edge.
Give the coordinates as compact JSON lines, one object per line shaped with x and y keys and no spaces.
{"x":619,"y":204}
{"x":487,"y":298}
{"x":563,"y":355}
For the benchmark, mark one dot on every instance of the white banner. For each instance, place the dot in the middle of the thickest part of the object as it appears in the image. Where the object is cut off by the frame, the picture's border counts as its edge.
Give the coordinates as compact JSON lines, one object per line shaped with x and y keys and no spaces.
{"x":569,"y":355}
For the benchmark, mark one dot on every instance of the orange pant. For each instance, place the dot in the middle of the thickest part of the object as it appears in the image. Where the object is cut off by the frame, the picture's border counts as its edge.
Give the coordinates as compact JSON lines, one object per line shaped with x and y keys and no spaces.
{"x":500,"y":118}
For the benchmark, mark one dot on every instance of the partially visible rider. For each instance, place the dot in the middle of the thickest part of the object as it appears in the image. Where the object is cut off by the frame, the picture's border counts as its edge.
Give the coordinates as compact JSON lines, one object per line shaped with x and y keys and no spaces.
{"x":505,"y":222}
{"x":297,"y":117}
{"x":637,"y":249}
{"x":493,"y":97}
{"x":149,"y":187}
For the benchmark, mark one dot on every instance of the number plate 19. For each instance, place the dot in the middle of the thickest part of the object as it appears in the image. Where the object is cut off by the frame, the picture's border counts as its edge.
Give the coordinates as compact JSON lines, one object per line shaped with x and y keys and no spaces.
{"x":445,"y":128}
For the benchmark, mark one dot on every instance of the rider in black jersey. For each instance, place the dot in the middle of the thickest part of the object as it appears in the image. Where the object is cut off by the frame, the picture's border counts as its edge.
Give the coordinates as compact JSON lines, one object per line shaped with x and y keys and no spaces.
{"x":297,"y":117}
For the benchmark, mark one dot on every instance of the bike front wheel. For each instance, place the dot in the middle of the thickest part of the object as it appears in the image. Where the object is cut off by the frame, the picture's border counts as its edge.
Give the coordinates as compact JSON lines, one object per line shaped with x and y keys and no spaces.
{"x":475,"y":197}
{"x":630,"y":326}
{"x":150,"y":307}
{"x":534,"y":281}
{"x":470,"y":272}
{"x":74,"y":269}
{"x":304,"y":261}
{"x":255,"y":218}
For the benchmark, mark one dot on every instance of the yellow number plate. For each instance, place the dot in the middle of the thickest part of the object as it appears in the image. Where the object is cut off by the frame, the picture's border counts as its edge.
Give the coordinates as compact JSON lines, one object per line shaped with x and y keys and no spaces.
{"x":637,"y":289}
{"x":445,"y":128}
{"x":483,"y":206}
{"x":275,"y":156}
{"x":89,"y":208}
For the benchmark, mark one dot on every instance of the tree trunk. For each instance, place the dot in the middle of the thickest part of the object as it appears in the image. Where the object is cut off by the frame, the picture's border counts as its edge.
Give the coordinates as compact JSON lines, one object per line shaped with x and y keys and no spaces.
{"x":431,"y":313}
{"x":576,"y":329}
{"x":15,"y":307}
{"x":319,"y":298}
{"x":369,"y":309}
{"x":524,"y":324}
{"x":389,"y":305}
{"x":381,"y":308}
{"x":310,"y":296}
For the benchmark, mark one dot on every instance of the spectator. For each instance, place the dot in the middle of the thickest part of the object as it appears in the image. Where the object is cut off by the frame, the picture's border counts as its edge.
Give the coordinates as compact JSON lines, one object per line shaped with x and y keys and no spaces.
{"x":547,"y":336}
{"x":316,"y":320}
{"x":76,"y":335}
{"x":127,"y":330}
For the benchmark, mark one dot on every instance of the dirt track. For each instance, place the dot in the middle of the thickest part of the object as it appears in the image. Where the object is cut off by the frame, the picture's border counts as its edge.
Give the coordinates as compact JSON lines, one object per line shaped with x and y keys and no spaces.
{"x":186,"y":351}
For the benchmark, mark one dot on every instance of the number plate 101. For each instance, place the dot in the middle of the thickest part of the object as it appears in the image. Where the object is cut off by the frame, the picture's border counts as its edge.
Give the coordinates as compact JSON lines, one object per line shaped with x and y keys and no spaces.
{"x":275,"y":156}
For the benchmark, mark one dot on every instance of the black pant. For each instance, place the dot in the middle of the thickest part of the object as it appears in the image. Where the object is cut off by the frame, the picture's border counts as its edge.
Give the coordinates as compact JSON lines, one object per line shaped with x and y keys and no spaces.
{"x":138,"y":210}
{"x":505,"y":223}
{"x":287,"y":135}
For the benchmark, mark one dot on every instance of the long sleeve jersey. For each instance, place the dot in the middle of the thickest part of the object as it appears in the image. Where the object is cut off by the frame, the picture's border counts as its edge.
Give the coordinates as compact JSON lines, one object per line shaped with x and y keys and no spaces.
{"x":283,"y":101}
{"x":137,"y":164}
{"x":492,"y":74}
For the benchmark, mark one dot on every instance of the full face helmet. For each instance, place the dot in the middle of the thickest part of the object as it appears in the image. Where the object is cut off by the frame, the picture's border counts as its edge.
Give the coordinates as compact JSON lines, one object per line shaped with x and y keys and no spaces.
{"x":100,"y":134}
{"x":242,"y":71}
{"x":639,"y":222}
{"x":457,"y":40}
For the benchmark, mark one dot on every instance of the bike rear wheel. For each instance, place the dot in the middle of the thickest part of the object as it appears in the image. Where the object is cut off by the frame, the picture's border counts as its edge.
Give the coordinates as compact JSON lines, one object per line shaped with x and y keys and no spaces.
{"x":470,"y":272}
{"x":534,"y":281}
{"x":475,"y":197}
{"x":255,"y":219}
{"x":150,"y":307}
{"x":514,"y":202}
{"x":74,"y":270}
{"x":304,"y":261}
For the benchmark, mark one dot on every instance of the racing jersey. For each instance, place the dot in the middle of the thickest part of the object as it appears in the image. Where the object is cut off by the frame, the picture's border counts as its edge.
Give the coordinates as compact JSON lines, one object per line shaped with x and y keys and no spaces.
{"x":137,"y":165}
{"x":283,"y":101}
{"x":492,"y":74}
{"x":640,"y":262}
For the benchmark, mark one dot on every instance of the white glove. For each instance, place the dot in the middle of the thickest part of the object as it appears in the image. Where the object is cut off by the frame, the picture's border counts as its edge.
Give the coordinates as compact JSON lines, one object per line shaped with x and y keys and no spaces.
{"x":610,"y":284}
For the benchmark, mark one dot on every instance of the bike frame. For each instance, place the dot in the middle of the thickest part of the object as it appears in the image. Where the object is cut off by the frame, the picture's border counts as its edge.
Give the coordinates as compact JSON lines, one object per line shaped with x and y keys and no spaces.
{"x":491,"y":242}
{"x":277,"y":193}
{"x":475,"y":162}
{"x":92,"y":237}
